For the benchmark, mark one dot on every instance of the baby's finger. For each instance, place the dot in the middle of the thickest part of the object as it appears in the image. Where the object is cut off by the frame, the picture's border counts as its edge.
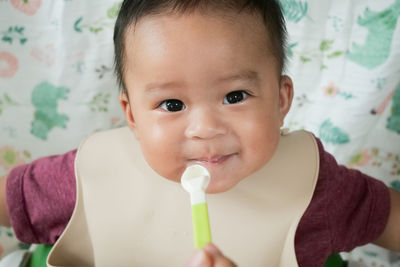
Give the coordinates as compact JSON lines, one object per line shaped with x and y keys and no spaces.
{"x":218,"y":258}
{"x":199,"y":259}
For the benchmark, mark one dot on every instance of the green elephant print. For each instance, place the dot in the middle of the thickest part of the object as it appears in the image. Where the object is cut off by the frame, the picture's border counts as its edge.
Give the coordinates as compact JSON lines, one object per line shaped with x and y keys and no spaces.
{"x":381,"y":26}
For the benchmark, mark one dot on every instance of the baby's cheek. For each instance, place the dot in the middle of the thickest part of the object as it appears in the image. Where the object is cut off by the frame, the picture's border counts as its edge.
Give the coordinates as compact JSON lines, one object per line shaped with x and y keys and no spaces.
{"x":261,"y":146}
{"x":163,"y":157}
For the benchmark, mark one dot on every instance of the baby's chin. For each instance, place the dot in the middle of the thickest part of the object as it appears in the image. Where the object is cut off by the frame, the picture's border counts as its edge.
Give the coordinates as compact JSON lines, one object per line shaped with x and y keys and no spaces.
{"x":216,"y":187}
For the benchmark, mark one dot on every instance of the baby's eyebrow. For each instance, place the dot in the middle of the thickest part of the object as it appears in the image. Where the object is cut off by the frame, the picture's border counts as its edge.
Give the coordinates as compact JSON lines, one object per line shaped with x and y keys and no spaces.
{"x":151,"y":87}
{"x":248,"y":75}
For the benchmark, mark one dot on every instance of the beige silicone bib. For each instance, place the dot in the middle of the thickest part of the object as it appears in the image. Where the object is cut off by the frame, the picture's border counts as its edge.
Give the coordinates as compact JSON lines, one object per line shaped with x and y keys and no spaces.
{"x":127,"y":215}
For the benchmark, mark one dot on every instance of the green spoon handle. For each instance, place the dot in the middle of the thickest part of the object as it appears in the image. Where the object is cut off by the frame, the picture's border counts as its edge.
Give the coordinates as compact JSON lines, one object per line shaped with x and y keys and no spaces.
{"x":201,"y":225}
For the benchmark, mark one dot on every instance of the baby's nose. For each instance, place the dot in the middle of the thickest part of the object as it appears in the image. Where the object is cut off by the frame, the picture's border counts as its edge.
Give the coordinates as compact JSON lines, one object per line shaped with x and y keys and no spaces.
{"x":205,"y":124}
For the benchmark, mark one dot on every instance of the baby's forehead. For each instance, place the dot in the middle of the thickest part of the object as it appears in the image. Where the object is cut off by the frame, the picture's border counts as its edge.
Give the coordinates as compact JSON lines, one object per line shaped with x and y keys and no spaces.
{"x":191,"y":48}
{"x":249,"y":22}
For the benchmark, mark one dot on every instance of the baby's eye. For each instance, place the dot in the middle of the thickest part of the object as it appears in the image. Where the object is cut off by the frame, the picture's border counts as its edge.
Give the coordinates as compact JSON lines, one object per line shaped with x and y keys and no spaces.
{"x":235,"y":97}
{"x":172,"y":105}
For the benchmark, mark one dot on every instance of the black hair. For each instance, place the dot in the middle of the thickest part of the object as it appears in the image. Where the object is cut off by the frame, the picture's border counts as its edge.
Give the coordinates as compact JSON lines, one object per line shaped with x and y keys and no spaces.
{"x":133,"y":10}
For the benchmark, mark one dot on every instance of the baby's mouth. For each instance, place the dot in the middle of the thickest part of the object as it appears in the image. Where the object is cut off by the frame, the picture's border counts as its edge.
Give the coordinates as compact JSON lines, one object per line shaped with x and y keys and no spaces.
{"x":213,"y":160}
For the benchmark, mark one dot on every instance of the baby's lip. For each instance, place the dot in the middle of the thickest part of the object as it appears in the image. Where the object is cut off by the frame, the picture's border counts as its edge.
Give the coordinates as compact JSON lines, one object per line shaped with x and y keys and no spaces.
{"x":215,"y":159}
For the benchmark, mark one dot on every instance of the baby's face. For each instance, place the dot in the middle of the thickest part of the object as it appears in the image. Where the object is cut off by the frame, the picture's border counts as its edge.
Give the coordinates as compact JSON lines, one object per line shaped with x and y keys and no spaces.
{"x":204,"y":89}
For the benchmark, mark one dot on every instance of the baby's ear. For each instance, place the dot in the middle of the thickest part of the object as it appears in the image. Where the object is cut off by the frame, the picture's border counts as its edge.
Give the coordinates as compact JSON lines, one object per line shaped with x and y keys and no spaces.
{"x":285,"y":96}
{"x":126,"y":107}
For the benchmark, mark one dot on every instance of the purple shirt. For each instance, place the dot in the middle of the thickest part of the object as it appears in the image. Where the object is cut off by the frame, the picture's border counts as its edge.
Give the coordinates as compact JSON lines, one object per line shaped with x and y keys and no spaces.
{"x":348,"y":208}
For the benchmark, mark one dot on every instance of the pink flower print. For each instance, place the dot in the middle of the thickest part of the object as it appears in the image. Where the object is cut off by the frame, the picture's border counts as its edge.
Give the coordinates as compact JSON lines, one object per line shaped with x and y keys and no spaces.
{"x":331,"y":90}
{"x":29,"y":7}
{"x":8,"y":64}
{"x":115,"y":120}
{"x":45,"y":54}
{"x":360,"y":159}
{"x":9,"y":158}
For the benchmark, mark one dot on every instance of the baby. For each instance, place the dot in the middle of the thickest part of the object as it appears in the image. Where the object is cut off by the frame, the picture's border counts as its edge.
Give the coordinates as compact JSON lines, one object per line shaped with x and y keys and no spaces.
{"x":201,"y":84}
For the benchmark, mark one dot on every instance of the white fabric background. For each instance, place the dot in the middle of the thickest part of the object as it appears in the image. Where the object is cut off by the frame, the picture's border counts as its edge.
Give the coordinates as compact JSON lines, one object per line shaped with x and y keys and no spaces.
{"x":57,"y":84}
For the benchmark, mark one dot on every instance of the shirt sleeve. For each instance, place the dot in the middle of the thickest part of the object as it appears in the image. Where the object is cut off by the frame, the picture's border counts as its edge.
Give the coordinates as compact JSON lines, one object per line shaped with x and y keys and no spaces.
{"x":41,"y":198}
{"x":357,"y":205}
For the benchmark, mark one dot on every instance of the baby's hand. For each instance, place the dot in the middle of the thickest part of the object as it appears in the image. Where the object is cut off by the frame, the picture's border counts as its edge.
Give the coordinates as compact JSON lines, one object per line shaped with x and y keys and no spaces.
{"x":209,"y":256}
